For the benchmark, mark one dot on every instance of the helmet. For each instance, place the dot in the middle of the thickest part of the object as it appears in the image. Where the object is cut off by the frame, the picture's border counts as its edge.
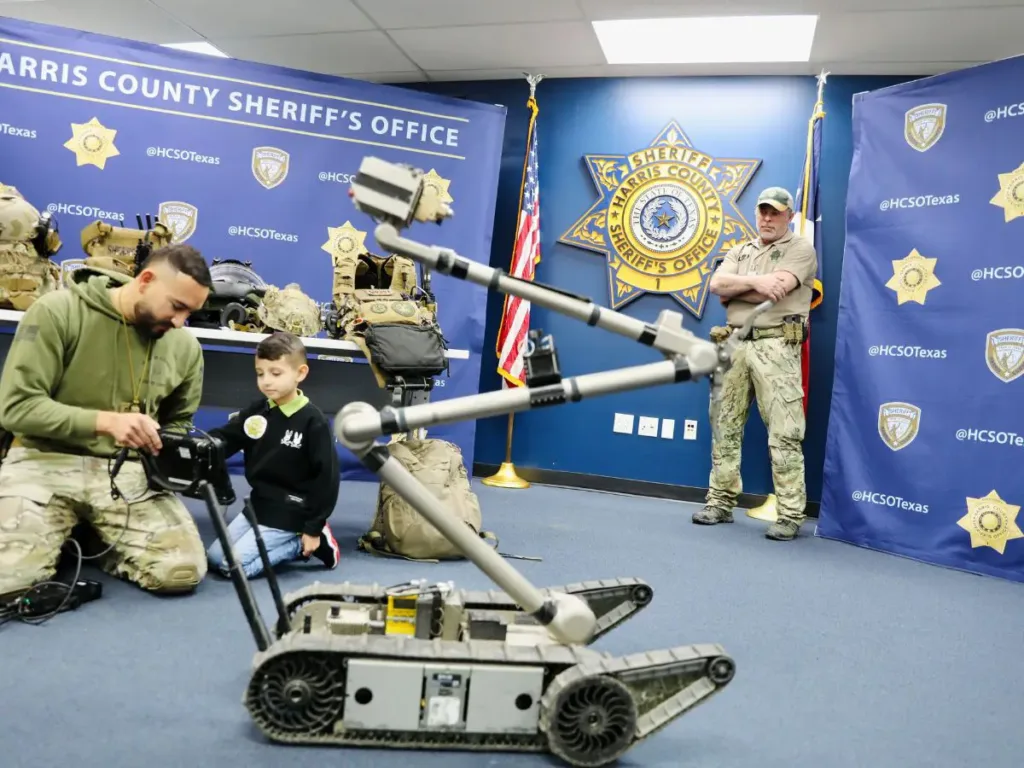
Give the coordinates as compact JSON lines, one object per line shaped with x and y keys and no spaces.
{"x":27,"y":240}
{"x":289,"y":309}
{"x":21,"y":222}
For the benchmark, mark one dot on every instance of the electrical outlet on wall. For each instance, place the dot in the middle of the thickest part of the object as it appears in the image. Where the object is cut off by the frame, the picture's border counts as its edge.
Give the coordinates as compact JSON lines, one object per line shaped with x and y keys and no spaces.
{"x":648,"y":426}
{"x":623,"y":423}
{"x":690,"y":430}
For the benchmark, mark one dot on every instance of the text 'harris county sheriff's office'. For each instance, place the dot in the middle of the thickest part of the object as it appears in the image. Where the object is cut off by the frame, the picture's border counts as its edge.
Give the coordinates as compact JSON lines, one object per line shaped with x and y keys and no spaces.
{"x":176,"y":92}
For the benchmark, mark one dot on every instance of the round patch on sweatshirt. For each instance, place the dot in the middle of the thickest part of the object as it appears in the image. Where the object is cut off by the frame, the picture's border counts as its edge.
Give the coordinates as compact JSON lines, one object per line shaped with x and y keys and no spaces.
{"x":255,"y":426}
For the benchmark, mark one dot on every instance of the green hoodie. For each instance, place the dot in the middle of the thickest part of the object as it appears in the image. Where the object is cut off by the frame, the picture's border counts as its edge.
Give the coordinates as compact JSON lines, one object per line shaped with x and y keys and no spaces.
{"x":69,"y":360}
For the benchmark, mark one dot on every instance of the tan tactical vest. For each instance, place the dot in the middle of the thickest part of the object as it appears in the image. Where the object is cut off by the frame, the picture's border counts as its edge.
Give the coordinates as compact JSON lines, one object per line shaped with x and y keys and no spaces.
{"x":113,"y":248}
{"x":370,"y":290}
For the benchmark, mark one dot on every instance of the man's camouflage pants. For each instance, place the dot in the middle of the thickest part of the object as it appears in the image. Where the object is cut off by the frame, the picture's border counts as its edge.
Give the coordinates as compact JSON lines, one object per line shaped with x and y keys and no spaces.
{"x":44,"y":495}
{"x":770,"y":370}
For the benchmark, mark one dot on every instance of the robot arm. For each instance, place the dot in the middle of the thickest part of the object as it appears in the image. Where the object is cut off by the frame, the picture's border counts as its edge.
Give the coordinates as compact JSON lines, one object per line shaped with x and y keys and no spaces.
{"x":395,"y":196}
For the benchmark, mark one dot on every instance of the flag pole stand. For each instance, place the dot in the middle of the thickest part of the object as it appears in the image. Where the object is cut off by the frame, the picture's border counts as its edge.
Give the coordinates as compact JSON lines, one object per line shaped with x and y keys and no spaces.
{"x":506,"y":476}
{"x":768,"y":511}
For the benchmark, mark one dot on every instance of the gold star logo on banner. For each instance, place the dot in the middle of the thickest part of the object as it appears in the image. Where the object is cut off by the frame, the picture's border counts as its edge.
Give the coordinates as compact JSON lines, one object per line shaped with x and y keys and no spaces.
{"x":92,"y":143}
{"x":345,"y":244}
{"x":913,"y":277}
{"x":439,"y":185}
{"x":991,"y":522}
{"x":1010,"y":196}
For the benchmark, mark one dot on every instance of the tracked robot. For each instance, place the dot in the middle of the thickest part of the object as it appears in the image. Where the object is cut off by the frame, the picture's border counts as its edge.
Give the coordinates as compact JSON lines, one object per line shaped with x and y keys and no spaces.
{"x":421,"y":666}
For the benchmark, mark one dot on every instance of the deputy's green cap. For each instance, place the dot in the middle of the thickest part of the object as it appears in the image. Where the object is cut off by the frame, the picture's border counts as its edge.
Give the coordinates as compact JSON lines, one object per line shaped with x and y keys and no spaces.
{"x":777,"y":197}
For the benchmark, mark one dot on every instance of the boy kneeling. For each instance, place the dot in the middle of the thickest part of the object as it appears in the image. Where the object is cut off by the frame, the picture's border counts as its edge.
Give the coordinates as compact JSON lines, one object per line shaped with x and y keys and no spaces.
{"x":291,"y":465}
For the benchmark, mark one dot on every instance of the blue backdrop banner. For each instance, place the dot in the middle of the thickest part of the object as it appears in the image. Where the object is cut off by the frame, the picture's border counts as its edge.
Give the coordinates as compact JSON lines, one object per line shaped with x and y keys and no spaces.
{"x":926,"y":433}
{"x":243,"y":161}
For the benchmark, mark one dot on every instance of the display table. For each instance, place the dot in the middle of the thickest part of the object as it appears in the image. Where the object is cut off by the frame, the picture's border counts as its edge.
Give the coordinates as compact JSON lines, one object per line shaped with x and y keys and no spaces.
{"x":338,"y":370}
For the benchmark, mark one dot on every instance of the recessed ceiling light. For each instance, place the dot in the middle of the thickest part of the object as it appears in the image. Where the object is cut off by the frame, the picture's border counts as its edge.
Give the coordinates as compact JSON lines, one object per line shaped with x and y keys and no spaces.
{"x":202,"y":47}
{"x":707,"y":39}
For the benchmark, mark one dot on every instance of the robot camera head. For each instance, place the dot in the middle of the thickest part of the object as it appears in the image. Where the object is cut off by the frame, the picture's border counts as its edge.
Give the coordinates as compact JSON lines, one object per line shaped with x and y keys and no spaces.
{"x":395,"y":193}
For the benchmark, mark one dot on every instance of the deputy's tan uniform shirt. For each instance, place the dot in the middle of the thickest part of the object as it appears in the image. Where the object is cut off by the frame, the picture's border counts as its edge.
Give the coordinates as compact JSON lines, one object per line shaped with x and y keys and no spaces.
{"x":792,"y":253}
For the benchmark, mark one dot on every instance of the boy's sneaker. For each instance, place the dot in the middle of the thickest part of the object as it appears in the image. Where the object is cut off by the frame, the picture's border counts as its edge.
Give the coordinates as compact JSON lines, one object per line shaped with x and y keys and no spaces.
{"x":328,"y":551}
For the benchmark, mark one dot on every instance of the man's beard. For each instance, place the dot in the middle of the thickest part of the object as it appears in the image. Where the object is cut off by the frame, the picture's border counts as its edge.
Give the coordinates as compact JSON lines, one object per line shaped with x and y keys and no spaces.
{"x":147,"y":324}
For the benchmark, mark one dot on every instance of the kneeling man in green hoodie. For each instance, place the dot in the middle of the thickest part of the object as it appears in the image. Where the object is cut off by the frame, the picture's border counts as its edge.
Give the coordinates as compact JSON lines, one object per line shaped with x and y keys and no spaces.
{"x":102,"y":364}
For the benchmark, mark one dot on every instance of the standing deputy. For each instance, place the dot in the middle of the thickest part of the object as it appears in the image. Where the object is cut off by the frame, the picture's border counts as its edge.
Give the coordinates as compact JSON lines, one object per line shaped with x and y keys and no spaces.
{"x":777,"y":266}
{"x":102,"y":364}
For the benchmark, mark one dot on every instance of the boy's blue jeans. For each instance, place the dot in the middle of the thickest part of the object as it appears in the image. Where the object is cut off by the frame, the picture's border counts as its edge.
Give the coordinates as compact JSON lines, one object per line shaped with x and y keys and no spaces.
{"x":282,"y":546}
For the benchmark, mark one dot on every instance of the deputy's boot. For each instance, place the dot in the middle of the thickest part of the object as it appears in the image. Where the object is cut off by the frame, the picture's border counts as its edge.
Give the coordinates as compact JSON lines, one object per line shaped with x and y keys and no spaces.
{"x":782,"y":530}
{"x":712,"y":516}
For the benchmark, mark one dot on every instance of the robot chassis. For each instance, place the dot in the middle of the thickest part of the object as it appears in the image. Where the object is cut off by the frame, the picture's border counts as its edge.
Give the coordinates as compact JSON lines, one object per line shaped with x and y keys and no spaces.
{"x":419,"y":666}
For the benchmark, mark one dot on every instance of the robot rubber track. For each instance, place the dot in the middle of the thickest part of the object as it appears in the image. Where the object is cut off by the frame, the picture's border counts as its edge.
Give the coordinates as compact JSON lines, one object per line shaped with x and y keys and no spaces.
{"x":613,"y":601}
{"x":587,"y":707}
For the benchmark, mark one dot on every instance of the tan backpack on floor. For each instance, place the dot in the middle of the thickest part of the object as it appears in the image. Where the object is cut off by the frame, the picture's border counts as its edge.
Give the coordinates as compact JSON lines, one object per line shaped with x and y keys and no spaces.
{"x":398,"y":530}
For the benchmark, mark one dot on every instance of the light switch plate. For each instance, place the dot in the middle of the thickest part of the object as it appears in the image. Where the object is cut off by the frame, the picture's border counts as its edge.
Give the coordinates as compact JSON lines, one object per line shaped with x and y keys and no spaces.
{"x":648,"y":426}
{"x":668,"y":428}
{"x":623,"y":423}
{"x":690,"y":430}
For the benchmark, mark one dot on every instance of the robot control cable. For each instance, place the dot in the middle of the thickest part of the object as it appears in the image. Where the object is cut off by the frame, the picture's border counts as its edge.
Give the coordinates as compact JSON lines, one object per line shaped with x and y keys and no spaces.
{"x":44,"y":600}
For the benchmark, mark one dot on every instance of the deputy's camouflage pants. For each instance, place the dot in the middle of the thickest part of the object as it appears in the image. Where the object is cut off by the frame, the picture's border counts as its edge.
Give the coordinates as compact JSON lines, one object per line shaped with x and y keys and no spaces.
{"x":44,"y":495}
{"x":770,"y":370}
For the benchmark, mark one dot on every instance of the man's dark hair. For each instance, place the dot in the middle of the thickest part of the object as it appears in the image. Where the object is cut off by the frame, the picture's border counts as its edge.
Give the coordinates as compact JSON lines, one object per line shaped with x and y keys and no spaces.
{"x":183,"y":258}
{"x":282,"y":344}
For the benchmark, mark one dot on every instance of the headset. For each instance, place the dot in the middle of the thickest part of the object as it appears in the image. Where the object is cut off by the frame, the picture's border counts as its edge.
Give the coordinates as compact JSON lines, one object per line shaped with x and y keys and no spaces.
{"x":46,"y":236}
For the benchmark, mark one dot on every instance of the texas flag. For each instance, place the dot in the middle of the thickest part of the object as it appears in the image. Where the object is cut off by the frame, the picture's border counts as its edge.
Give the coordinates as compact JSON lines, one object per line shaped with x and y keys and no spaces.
{"x":807,"y":221}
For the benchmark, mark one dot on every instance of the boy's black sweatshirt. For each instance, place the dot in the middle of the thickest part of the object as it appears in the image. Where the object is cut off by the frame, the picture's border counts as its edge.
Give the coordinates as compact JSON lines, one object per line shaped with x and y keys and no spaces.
{"x":290,"y":463}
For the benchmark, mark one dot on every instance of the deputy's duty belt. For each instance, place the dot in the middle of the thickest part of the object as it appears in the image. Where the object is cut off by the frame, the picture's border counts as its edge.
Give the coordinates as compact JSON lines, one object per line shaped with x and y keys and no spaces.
{"x":773,"y":332}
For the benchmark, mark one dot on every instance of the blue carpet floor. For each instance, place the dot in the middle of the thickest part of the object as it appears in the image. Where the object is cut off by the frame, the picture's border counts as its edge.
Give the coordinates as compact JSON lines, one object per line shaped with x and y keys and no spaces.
{"x":845,"y":657}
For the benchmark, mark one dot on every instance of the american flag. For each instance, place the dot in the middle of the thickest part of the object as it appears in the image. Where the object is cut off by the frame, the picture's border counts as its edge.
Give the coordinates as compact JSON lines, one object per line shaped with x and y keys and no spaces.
{"x":515,"y":318}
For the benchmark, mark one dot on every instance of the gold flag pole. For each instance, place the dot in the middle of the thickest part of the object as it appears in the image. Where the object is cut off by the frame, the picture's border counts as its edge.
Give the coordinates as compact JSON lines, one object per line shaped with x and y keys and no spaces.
{"x":506,"y":476}
{"x":769,"y":510}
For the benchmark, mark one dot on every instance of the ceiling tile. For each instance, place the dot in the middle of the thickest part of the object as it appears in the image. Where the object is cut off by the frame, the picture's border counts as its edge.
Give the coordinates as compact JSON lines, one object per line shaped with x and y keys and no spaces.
{"x":623,"y":71}
{"x":131,"y":19}
{"x":391,"y":78}
{"x":348,"y":53}
{"x":513,"y":46}
{"x":660,"y":9}
{"x":478,"y":39}
{"x":252,"y":18}
{"x":957,"y":35}
{"x":550,"y":73}
{"x":913,"y":68}
{"x":873,"y":6}
{"x":407,"y":14}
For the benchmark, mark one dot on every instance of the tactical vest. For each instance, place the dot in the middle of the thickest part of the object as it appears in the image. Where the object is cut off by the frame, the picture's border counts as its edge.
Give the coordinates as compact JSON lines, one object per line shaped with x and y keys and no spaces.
{"x":27,"y":241}
{"x":376,"y":307}
{"x":116,"y":248}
